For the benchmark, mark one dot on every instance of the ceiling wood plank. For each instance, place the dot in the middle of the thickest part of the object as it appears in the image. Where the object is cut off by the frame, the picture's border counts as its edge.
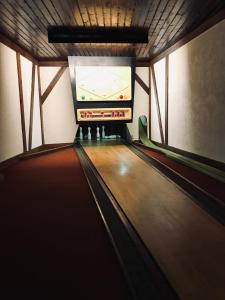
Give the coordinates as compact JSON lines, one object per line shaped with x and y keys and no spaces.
{"x":6,"y":41}
{"x":167,"y":21}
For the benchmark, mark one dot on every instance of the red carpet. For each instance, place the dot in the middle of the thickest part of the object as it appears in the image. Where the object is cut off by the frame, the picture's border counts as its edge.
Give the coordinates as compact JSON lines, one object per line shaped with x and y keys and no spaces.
{"x":210,"y":185}
{"x":53,"y":241}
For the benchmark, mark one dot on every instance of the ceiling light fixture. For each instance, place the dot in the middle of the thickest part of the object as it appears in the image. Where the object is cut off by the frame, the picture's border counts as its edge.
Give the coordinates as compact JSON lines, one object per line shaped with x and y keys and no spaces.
{"x":74,"y":34}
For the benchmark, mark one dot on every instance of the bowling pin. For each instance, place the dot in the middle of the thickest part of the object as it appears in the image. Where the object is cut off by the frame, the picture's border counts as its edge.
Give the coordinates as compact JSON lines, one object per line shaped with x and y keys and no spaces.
{"x":89,"y":133}
{"x":98,"y":134}
{"x":103,"y":132}
{"x":81,"y":134}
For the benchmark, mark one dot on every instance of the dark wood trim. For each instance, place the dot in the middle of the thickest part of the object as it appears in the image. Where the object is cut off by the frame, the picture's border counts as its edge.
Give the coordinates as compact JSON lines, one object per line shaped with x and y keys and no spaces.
{"x":40,"y":104}
{"x":52,"y":84}
{"x":20,"y":83}
{"x":12,"y":45}
{"x":142,"y":83}
{"x":150,"y":105}
{"x":211,"y":162}
{"x":53,"y":63}
{"x":166,"y":98}
{"x":190,"y":36}
{"x":43,"y":150}
{"x":9,"y":162}
{"x":157,"y":105}
{"x":64,"y":63}
{"x":31,"y":108}
{"x":142,"y":63}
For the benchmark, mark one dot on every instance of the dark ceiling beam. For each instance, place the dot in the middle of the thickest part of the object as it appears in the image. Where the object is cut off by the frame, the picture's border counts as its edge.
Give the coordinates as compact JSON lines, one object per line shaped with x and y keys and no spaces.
{"x":73,"y":34}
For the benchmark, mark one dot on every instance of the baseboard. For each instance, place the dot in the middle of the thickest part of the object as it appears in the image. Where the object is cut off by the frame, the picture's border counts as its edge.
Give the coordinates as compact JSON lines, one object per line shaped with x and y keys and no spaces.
{"x":40,"y":150}
{"x":202,"y":159}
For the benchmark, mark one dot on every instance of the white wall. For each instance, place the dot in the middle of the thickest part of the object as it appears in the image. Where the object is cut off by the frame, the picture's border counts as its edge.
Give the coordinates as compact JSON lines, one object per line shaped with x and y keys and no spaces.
{"x":10,"y":122}
{"x":197,"y":95}
{"x":141,"y":102}
{"x":58,"y":110}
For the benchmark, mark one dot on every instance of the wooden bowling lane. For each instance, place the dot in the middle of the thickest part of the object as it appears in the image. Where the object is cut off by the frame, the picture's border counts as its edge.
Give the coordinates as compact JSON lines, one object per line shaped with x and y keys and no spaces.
{"x":187,"y":243}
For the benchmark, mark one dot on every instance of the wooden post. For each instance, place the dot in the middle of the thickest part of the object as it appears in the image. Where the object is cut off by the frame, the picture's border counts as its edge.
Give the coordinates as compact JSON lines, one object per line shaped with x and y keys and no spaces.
{"x":31,"y":108}
{"x":166,"y":98}
{"x":20,"y":83}
{"x":157,"y":105}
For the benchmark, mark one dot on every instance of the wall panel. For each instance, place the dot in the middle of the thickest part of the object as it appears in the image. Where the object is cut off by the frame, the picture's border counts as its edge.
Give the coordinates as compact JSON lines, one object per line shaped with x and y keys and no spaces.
{"x":10,"y":121}
{"x":141,"y":102}
{"x":197,"y":95}
{"x":58,"y":111}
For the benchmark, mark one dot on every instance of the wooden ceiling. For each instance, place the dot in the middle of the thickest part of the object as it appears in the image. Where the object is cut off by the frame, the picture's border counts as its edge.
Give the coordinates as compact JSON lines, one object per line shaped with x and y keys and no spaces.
{"x":26,"y":21}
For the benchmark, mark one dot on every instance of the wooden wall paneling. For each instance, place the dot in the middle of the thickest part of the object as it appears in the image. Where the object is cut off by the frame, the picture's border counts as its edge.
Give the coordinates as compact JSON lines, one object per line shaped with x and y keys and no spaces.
{"x":161,"y":14}
{"x":166,"y":97}
{"x":6,"y":41}
{"x":25,"y":37}
{"x":198,"y":17}
{"x":203,"y":27}
{"x":147,"y":23}
{"x":41,"y":16}
{"x":25,"y":18}
{"x":162,"y":27}
{"x":20,"y":83}
{"x":157,"y":105}
{"x":40,"y":105}
{"x":142,"y":83}
{"x":174,"y":25}
{"x":52,"y":84}
{"x":31,"y":107}
{"x":26,"y":22}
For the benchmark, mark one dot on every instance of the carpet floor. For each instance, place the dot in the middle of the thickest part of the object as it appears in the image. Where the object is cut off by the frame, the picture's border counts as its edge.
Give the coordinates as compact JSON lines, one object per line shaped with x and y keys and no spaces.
{"x":53,"y":241}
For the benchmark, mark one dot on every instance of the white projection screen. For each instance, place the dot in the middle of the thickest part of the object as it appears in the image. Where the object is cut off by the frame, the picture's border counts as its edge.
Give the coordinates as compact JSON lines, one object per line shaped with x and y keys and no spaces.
{"x":103,"y":83}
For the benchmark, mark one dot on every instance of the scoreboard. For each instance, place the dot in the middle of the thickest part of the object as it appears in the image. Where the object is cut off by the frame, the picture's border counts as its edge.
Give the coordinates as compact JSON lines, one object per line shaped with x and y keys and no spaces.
{"x":105,"y":114}
{"x":103,"y":88}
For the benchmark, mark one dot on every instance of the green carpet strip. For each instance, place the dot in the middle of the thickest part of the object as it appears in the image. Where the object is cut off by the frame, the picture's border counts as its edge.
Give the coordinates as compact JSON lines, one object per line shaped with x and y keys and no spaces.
{"x":201,"y":167}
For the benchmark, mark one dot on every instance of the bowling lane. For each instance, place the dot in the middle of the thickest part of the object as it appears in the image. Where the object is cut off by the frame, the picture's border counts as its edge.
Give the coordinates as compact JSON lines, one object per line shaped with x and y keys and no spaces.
{"x":187,"y":243}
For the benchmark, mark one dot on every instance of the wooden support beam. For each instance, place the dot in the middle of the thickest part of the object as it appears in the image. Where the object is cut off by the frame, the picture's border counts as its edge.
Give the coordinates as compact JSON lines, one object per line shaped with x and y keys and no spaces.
{"x":31,"y":108}
{"x":20,"y":83}
{"x":53,"y":63}
{"x":52,"y":84}
{"x":150,"y":105}
{"x":166,"y":97}
{"x":40,"y":104}
{"x":142,"y":83}
{"x":157,"y":105}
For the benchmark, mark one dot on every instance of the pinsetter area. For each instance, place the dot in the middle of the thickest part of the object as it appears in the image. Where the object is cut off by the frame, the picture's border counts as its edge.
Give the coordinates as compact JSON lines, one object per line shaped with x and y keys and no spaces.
{"x":112,"y":150}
